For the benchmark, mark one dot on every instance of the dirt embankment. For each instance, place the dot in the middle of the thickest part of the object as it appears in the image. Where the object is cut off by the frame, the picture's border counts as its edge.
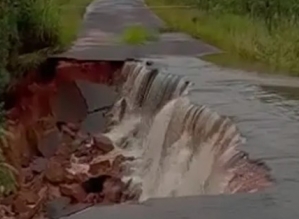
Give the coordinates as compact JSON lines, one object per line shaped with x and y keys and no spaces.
{"x":59,"y":167}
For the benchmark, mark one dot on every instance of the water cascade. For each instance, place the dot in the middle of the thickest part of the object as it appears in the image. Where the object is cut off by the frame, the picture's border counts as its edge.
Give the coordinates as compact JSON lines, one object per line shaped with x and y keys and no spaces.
{"x":180,"y":148}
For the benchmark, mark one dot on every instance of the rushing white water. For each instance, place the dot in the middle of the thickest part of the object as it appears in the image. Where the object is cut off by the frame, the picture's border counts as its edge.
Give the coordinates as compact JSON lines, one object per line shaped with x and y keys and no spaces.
{"x":180,"y":148}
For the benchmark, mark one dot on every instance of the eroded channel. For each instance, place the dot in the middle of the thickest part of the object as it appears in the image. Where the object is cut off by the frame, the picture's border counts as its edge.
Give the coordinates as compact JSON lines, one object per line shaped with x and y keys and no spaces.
{"x":111,"y":132}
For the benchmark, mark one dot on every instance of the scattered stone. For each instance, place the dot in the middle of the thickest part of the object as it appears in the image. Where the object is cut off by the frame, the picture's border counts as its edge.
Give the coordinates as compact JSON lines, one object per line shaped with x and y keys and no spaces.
{"x":112,"y":190}
{"x":74,"y":126}
{"x":100,"y":168}
{"x":55,"y":173}
{"x":49,"y":143}
{"x":67,"y":130}
{"x":103,"y":143}
{"x":6,"y":212}
{"x":35,"y":185}
{"x":53,"y":192}
{"x":77,"y":168}
{"x":93,"y":198}
{"x":30,"y":197}
{"x":117,"y":164}
{"x":74,"y":191}
{"x":64,"y":151}
{"x":26,"y":175}
{"x":20,"y":205}
{"x":7,"y":201}
{"x":39,"y":165}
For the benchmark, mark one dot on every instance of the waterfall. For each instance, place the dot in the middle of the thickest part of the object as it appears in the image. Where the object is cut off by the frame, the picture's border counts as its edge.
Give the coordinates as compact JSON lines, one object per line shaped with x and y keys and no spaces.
{"x":181,"y":149}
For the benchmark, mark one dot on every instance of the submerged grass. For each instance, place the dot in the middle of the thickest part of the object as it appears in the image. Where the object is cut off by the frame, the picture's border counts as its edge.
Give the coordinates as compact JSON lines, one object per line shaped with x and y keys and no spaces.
{"x":245,"y":36}
{"x":137,"y":35}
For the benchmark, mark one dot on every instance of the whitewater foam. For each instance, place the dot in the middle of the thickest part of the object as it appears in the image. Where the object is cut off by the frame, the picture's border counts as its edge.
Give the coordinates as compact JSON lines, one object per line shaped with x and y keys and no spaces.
{"x":180,"y":148}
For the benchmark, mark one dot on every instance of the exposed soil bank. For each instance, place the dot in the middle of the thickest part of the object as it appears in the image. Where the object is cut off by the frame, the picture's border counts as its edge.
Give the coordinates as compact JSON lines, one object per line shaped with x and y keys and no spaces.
{"x":56,"y":162}
{"x":247,"y":38}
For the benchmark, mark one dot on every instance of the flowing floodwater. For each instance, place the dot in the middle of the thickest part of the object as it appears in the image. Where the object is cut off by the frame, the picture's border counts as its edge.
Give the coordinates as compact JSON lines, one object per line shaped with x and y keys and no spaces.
{"x":181,"y":148}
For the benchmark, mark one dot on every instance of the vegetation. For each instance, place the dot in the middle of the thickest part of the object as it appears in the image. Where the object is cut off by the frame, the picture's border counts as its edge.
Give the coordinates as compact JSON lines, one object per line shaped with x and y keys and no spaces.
{"x":136,"y":35}
{"x":265,"y":31}
{"x":30,"y":31}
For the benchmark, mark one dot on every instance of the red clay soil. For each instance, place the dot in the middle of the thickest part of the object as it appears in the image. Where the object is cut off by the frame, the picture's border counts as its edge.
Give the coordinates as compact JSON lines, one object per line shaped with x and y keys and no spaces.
{"x":75,"y":166}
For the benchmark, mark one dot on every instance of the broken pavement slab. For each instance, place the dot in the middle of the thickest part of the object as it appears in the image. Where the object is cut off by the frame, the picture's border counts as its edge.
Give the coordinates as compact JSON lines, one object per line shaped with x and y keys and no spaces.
{"x":94,"y":123}
{"x":96,"y":95}
{"x":69,"y":104}
{"x":99,"y":98}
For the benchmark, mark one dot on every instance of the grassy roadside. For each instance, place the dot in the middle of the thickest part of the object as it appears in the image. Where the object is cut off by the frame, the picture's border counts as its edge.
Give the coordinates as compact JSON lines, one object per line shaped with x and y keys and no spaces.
{"x":243,"y":36}
{"x":61,"y":19}
{"x":70,"y":17}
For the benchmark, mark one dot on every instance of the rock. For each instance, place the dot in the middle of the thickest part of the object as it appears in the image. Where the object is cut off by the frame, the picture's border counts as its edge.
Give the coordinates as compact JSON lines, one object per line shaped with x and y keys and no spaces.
{"x":74,"y":126}
{"x":77,"y":169}
{"x":100,"y":168}
{"x":67,"y":130}
{"x":53,"y":192}
{"x":117,"y":163}
{"x":112,"y":190}
{"x":74,"y":191}
{"x":54,"y":173}
{"x":103,"y":143}
{"x":27,"y":175}
{"x":7,"y":201}
{"x":39,"y":165}
{"x":64,"y":151}
{"x":6,"y":212}
{"x":30,"y":197}
{"x":93,"y":198}
{"x":49,"y":143}
{"x":19,"y":205}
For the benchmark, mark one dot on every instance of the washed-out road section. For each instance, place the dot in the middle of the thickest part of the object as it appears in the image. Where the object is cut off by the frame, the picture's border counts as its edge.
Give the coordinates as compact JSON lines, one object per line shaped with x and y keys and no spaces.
{"x":264,"y":108}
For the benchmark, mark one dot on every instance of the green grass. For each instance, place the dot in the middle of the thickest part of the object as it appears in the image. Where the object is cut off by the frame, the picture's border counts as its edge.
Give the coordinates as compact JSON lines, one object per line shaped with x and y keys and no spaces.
{"x":54,"y":26}
{"x":70,"y":19}
{"x":241,"y":36}
{"x":137,"y":35}
{"x":235,"y":62}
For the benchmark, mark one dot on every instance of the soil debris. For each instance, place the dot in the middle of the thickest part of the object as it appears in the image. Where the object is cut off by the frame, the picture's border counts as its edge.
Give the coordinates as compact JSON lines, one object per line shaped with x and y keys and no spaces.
{"x":61,"y":169}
